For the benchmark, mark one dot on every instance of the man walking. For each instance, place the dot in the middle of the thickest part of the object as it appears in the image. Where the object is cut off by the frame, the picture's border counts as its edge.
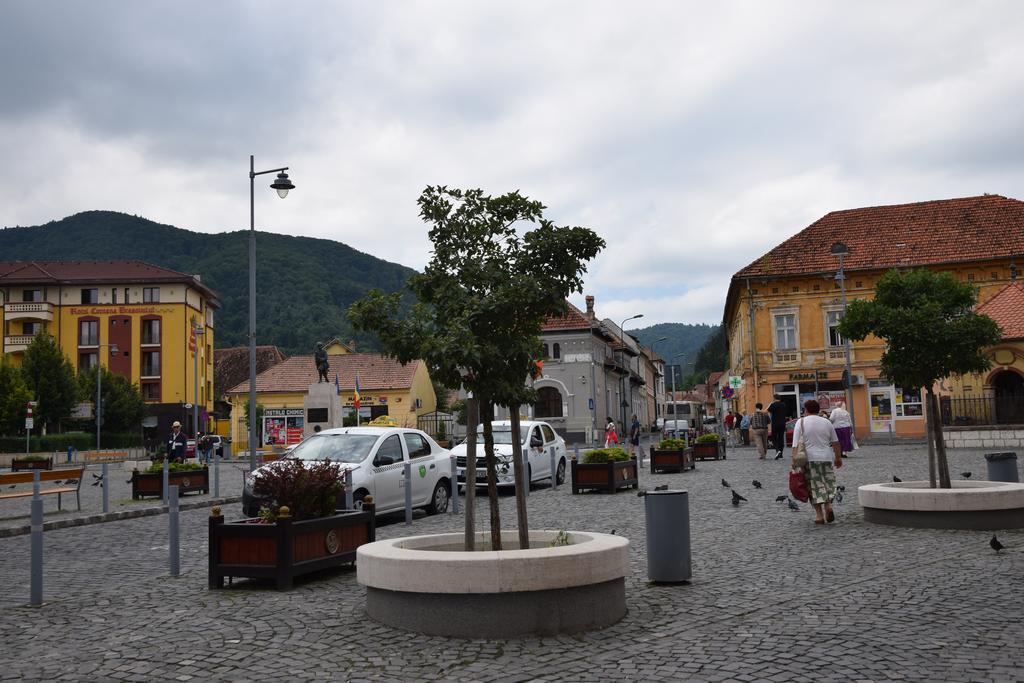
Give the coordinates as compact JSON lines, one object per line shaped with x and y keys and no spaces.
{"x":778,"y":412}
{"x":176,"y":444}
{"x":759,"y":426}
{"x":634,"y":436}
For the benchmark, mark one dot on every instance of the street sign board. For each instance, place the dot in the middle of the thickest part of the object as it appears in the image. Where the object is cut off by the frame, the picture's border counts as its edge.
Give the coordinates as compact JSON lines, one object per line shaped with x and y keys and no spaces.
{"x":29,"y":422}
{"x":735,"y":381}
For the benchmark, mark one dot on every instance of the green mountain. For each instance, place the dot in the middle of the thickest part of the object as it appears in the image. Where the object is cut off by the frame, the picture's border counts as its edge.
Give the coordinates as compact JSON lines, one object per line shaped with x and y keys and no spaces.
{"x":681,"y":339}
{"x":303,"y":285}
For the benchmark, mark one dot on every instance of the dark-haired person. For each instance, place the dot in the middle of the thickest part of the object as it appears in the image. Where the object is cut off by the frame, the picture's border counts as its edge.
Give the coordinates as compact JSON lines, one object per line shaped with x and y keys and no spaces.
{"x":779,"y":413}
{"x":823,"y":452}
{"x":759,"y":427}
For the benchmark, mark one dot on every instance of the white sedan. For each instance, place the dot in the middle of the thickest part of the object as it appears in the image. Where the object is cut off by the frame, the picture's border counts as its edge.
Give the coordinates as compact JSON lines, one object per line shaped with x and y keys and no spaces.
{"x":377,"y":457}
{"x":539,"y":441}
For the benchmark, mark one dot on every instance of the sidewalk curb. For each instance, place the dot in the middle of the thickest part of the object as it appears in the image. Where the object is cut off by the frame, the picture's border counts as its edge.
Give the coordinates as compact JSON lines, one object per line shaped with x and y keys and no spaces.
{"x":117,"y":516}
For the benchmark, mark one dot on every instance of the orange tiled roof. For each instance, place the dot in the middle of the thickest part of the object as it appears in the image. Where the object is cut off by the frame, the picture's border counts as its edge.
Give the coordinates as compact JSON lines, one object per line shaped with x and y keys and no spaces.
{"x":1006,"y":307}
{"x":714,"y":377}
{"x":902,"y":235}
{"x":574,"y":319}
{"x":295,"y":374}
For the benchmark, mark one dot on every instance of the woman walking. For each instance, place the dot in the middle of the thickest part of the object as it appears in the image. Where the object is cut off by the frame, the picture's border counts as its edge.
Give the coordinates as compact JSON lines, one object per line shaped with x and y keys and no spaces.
{"x":822,"y":445}
{"x":840,"y":419}
{"x":611,"y":438}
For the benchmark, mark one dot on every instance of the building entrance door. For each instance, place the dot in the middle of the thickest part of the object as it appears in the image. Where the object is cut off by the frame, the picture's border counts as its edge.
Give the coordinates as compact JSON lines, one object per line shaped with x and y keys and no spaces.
{"x":1009,"y":390}
{"x":789,"y":393}
{"x":881,"y":399}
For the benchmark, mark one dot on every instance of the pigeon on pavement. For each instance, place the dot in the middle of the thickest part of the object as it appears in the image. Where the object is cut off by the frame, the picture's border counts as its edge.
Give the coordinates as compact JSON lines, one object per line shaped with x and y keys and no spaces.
{"x":779,"y":499}
{"x":736,"y":498}
{"x":725,"y":484}
{"x":663,"y":487}
{"x":896,"y":479}
{"x":965,"y":475}
{"x":756,"y":484}
{"x":792,"y":504}
{"x":995,"y":544}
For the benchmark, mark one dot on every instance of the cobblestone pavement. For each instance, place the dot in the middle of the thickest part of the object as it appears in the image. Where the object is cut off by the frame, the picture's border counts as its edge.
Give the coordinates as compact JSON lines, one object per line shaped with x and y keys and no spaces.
{"x":773,"y":598}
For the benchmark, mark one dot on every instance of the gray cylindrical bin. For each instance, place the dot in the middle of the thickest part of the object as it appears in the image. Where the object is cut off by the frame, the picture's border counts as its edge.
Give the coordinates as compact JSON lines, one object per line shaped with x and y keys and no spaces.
{"x":1002,"y":466}
{"x":668,"y":535}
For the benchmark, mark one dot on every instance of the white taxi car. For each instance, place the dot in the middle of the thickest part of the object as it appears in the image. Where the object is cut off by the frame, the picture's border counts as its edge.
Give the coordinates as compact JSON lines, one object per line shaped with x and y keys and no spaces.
{"x":538,"y":440}
{"x":377,"y":457}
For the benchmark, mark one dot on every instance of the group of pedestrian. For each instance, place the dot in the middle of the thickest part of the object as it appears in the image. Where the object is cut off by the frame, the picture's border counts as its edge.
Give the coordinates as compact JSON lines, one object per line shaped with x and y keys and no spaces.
{"x":177,"y":445}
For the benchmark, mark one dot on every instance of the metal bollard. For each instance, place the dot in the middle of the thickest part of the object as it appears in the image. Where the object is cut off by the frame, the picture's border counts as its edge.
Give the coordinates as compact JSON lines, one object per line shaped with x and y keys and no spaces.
{"x":348,"y":490}
{"x":173,"y":530}
{"x":106,"y":489}
{"x":554,"y":476}
{"x":167,"y":479}
{"x":408,"y":492}
{"x":36,"y":586}
{"x":216,"y":474}
{"x":455,"y":486}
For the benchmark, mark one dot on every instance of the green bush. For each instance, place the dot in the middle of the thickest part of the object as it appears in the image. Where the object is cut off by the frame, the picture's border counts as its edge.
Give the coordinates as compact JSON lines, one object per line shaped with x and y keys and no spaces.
{"x":82,"y":441}
{"x":707,"y":438}
{"x":158,"y":466}
{"x":671,"y":445}
{"x":604,"y":455}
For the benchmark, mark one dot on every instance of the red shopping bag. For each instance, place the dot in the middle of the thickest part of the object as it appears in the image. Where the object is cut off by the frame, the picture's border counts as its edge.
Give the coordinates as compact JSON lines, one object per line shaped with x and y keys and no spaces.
{"x":798,"y":485}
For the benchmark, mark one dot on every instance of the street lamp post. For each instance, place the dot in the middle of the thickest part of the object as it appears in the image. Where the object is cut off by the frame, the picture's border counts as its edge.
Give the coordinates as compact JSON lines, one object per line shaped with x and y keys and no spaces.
{"x":282,"y":184}
{"x":841,"y":250}
{"x":198,"y":330}
{"x":622,"y":355}
{"x":675,"y":405}
{"x":656,"y":407}
{"x":99,"y":383}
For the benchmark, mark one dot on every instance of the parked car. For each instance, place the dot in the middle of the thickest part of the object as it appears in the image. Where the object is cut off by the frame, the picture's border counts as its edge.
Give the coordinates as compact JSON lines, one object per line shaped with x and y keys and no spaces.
{"x":376,"y":456}
{"x":538,"y":441}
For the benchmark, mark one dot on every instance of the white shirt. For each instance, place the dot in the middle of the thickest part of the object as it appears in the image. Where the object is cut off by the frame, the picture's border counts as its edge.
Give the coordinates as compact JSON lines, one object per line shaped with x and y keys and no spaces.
{"x":819,"y":435}
{"x":840,"y":418}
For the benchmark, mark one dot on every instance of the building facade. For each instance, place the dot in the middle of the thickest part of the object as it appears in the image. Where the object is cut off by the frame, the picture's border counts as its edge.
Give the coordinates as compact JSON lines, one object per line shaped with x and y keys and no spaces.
{"x":159,"y":323}
{"x":782,"y":310}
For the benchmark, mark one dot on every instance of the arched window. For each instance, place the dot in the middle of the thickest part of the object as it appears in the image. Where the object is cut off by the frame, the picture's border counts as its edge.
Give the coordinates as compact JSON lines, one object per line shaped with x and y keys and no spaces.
{"x":556,"y":351}
{"x":549,"y":403}
{"x":544,"y":352}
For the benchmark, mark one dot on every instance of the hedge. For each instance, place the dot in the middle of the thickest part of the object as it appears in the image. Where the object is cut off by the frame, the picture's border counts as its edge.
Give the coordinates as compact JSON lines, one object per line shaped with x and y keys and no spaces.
{"x":82,"y":441}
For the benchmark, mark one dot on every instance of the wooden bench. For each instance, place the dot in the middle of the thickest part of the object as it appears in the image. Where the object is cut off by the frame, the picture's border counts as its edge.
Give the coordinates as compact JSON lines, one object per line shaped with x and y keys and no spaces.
{"x":56,"y":478}
{"x":105,"y":456}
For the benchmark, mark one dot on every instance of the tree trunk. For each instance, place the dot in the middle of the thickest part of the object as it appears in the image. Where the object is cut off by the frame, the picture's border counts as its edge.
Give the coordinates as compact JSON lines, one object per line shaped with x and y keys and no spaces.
{"x":522,"y":480}
{"x":472,"y":420}
{"x":929,"y":418}
{"x":940,"y":444}
{"x":487,"y":415}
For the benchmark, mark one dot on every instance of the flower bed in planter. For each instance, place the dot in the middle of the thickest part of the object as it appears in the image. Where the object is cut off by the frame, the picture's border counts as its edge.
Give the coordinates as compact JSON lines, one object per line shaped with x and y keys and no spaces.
{"x":287,"y":548}
{"x":671,"y":455}
{"x":187,"y":480}
{"x":31,"y":463}
{"x":604,"y":470}
{"x":709,"y":449}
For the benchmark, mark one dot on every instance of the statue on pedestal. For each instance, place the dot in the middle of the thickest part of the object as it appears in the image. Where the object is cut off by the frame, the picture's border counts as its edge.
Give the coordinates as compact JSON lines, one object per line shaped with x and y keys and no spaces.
{"x":320,"y":356}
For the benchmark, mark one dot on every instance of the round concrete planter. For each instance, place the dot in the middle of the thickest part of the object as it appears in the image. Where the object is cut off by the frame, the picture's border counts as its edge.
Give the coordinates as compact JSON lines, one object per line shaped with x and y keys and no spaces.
{"x":430,"y":585}
{"x":968,"y":505}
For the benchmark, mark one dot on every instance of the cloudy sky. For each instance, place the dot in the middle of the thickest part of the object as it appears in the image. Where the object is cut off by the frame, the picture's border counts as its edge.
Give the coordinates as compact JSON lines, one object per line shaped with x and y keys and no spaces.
{"x":692,"y":136}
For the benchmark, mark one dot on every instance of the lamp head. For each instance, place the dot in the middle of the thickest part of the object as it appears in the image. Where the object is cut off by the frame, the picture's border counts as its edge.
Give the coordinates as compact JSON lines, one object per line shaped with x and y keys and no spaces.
{"x":282,"y":185}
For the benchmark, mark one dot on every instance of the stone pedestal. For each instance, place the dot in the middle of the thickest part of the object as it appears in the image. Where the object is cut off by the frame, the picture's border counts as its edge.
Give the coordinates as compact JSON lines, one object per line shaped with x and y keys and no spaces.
{"x":322,"y":398}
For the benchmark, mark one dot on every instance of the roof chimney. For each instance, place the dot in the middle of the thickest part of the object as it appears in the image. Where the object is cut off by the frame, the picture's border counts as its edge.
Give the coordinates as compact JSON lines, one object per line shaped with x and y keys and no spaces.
{"x":590,"y":307}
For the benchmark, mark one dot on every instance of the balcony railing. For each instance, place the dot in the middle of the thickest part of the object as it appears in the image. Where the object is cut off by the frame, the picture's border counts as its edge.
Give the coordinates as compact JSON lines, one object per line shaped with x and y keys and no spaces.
{"x":33,"y":310}
{"x":985,"y":410}
{"x":837,"y":355}
{"x":17,"y":342}
{"x":786,"y":357}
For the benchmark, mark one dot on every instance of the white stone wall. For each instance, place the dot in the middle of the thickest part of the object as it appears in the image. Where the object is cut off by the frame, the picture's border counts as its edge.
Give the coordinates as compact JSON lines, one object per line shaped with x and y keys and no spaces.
{"x":984,"y":438}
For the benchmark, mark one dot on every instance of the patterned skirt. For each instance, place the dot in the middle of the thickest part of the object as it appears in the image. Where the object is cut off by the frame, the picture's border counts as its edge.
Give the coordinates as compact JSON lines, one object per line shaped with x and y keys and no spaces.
{"x":821,"y":479}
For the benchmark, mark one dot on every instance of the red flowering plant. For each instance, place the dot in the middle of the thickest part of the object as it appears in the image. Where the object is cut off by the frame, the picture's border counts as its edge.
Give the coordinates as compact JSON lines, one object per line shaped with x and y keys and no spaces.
{"x":308,"y":488}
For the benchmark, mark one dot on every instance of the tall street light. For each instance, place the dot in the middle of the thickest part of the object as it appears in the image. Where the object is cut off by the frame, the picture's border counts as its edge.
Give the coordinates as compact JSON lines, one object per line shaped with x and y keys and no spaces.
{"x":282,"y":185}
{"x":675,"y":405}
{"x":656,"y":409}
{"x":99,"y":382}
{"x":622,"y":352}
{"x":198,"y":331}
{"x":841,"y":250}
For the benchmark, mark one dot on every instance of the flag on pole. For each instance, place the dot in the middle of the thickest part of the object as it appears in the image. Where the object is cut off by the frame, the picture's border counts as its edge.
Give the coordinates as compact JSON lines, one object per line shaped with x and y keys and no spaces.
{"x":337,"y":384}
{"x":355,"y":396}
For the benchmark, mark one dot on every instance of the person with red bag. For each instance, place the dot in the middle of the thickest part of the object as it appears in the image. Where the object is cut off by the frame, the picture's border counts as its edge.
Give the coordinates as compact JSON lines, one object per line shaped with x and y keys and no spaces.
{"x":815,"y":436}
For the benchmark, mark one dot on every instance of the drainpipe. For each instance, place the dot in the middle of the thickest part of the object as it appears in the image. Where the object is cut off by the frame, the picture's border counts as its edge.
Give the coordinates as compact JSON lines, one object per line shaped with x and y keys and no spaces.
{"x":753,"y":348}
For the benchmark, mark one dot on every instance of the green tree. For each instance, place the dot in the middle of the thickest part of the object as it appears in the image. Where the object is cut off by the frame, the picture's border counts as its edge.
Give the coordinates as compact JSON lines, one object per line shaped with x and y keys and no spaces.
{"x":51,"y":379}
{"x":14,"y":398}
{"x":480,"y":305}
{"x":123,"y":406}
{"x":931,"y":331}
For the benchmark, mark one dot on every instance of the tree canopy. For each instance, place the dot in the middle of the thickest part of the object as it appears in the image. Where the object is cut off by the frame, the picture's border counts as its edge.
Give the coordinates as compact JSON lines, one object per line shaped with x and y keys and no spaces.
{"x":123,"y":406}
{"x":51,"y":379}
{"x":14,"y":398}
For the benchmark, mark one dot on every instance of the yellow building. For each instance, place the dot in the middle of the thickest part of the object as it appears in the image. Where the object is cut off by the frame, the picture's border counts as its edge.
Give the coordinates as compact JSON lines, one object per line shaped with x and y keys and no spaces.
{"x":782,"y":310}
{"x":146,"y":314}
{"x":386,"y":387}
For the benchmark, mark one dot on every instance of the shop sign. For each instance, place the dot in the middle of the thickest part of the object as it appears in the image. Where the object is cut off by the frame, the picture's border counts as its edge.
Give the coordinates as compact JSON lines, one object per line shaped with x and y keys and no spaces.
{"x":797,"y":376}
{"x":283,"y":412}
{"x":120,"y":310}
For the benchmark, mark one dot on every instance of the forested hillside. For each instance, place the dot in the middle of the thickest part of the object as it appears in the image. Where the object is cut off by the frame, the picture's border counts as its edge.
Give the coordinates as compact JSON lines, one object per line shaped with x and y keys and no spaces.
{"x":682,"y":338}
{"x":304,"y":285}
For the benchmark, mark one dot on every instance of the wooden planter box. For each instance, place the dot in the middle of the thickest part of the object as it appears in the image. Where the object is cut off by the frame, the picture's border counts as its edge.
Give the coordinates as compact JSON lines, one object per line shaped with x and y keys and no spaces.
{"x":152,"y":484}
{"x":18,"y":465}
{"x":709,"y":451}
{"x":672,"y":461}
{"x":288,"y":548}
{"x":609,"y":477}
